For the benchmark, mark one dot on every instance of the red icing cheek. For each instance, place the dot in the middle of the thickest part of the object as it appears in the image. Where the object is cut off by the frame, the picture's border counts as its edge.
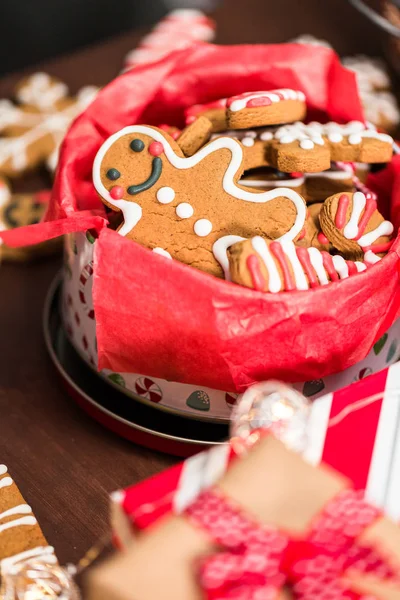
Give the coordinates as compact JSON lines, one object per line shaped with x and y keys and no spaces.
{"x":116,"y":192}
{"x":156,"y":148}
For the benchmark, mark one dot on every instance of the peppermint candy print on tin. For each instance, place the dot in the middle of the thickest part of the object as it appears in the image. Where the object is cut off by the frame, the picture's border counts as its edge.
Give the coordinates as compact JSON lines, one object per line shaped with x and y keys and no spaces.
{"x":148,"y":389}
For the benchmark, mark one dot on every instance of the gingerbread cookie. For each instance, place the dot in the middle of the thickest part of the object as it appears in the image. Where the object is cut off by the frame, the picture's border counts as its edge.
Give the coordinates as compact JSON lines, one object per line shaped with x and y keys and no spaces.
{"x":18,"y":210}
{"x":321,"y":185}
{"x":312,"y":235}
{"x":257,"y":109}
{"x":215,"y":111}
{"x":21,"y":538}
{"x":312,"y":147}
{"x":353,"y":224}
{"x":35,"y":129}
{"x":275,"y":266}
{"x":195,"y":135}
{"x":381,"y":109}
{"x":189,"y":208}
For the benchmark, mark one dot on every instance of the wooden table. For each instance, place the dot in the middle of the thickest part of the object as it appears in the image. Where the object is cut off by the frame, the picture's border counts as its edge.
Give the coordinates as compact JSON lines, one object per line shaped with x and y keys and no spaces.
{"x":64,"y":463}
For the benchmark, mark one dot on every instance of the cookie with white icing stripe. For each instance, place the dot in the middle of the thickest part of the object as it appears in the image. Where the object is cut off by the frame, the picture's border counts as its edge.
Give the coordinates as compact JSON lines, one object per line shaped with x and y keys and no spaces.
{"x":35,"y":128}
{"x":21,"y":537}
{"x":267,"y":178}
{"x":184,"y":206}
{"x":321,"y":185}
{"x":353,"y":224}
{"x":256,"y":109}
{"x":278,"y":266}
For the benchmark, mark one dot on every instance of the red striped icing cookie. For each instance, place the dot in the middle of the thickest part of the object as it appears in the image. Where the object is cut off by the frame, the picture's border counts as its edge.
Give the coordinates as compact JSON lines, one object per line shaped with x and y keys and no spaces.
{"x":280,"y":266}
{"x":353,"y":224}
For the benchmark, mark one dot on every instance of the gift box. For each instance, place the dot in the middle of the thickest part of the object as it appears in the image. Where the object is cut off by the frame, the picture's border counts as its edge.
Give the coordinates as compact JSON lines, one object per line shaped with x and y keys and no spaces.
{"x":354,"y":430}
{"x":273,"y":527}
{"x":177,"y":337}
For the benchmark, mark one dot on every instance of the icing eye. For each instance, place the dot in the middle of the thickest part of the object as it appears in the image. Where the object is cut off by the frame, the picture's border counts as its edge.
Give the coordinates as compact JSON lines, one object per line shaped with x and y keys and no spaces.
{"x":113,"y":174}
{"x":136,"y":145}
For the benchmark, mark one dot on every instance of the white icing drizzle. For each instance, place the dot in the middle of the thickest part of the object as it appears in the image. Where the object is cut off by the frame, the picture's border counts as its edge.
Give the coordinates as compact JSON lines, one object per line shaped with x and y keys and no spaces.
{"x":290,"y":251}
{"x":311,"y":134}
{"x":340,"y":265}
{"x":351,"y":230}
{"x":184,"y":210}
{"x":371,"y":258}
{"x":162,"y":252}
{"x":220,"y":248}
{"x":5,"y":482}
{"x":360,"y":266}
{"x":41,"y":91}
{"x":239,"y":102}
{"x":130,"y":209}
{"x":318,"y":265}
{"x":42,"y":553}
{"x":165,"y":195}
{"x":272,"y":183}
{"x":385,"y":228}
{"x":202,"y":227}
{"x":248,"y":141}
{"x":30,"y":520}
{"x":274,"y":279}
{"x":3,"y":469}
{"x":21,"y":509}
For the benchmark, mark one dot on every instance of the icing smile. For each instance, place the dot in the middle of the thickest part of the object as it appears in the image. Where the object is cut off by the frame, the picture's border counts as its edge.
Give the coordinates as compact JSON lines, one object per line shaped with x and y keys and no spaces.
{"x":156,"y":170}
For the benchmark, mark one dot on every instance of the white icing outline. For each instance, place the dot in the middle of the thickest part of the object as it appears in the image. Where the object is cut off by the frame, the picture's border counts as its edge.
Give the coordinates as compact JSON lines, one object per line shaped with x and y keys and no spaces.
{"x":350,"y":231}
{"x":239,"y":102}
{"x":132,"y":212}
{"x":220,"y":248}
{"x":42,"y":553}
{"x":274,"y":279}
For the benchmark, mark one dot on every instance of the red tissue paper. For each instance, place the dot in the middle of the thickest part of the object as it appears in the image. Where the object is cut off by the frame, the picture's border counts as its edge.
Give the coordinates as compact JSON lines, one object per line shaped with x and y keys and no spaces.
{"x":162,"y":318}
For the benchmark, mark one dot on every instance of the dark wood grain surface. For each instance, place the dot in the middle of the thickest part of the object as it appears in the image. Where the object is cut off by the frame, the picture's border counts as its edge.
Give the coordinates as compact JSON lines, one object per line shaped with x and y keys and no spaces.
{"x":65,"y":464}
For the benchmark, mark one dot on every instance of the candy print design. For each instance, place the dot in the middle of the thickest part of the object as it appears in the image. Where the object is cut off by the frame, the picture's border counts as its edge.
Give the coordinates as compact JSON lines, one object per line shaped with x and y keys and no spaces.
{"x":310,"y":388}
{"x":199,"y":400}
{"x":146,"y":388}
{"x":86,"y":274}
{"x":392,"y":351}
{"x":117,"y":379}
{"x":231,"y":399}
{"x":379,"y":345}
{"x":182,"y":181}
{"x":275,"y":266}
{"x":365,"y":372}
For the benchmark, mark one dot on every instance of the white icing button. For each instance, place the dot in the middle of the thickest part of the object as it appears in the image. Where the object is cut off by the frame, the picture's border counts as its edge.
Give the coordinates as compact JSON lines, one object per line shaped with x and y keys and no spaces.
{"x":202,"y":227}
{"x":165,"y":195}
{"x":335,"y":138}
{"x":354,"y":138}
{"x":266,"y":136}
{"x":286,"y":139}
{"x":306,"y":144}
{"x":184,"y":210}
{"x":162,"y":252}
{"x":247,"y":141}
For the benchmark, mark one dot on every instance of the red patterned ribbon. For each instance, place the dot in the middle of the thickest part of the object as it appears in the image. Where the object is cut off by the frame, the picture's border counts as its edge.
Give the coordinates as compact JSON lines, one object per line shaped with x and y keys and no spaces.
{"x":255,"y":561}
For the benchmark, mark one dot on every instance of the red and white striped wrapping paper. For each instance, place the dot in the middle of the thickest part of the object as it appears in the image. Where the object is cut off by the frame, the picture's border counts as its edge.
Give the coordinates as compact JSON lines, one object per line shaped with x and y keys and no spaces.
{"x":356,"y":430}
{"x":179,"y":29}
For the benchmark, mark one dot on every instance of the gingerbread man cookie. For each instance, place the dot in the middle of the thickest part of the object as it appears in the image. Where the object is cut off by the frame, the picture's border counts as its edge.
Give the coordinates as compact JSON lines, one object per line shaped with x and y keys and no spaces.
{"x":215,"y":111}
{"x":195,"y":135}
{"x":275,"y":266}
{"x":189,"y":208}
{"x":256,"y":109}
{"x":266,"y":178}
{"x":35,"y":129}
{"x":353,"y":224}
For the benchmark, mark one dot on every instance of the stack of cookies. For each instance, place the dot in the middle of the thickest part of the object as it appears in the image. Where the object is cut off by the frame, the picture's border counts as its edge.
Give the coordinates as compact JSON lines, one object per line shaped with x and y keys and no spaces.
{"x":250,"y":192}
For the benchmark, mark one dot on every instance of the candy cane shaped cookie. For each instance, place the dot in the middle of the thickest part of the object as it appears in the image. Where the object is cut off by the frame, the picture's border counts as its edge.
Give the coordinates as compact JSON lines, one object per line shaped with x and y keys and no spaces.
{"x":353,"y":224}
{"x":278,"y":266}
{"x":184,"y":205}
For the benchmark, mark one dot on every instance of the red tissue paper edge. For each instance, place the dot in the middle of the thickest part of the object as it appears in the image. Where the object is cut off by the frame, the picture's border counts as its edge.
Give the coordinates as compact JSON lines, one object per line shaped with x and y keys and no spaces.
{"x":164,"y":319}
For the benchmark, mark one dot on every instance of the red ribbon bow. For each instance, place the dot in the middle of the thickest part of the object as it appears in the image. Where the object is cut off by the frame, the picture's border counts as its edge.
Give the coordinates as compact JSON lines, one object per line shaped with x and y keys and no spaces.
{"x":256,"y":561}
